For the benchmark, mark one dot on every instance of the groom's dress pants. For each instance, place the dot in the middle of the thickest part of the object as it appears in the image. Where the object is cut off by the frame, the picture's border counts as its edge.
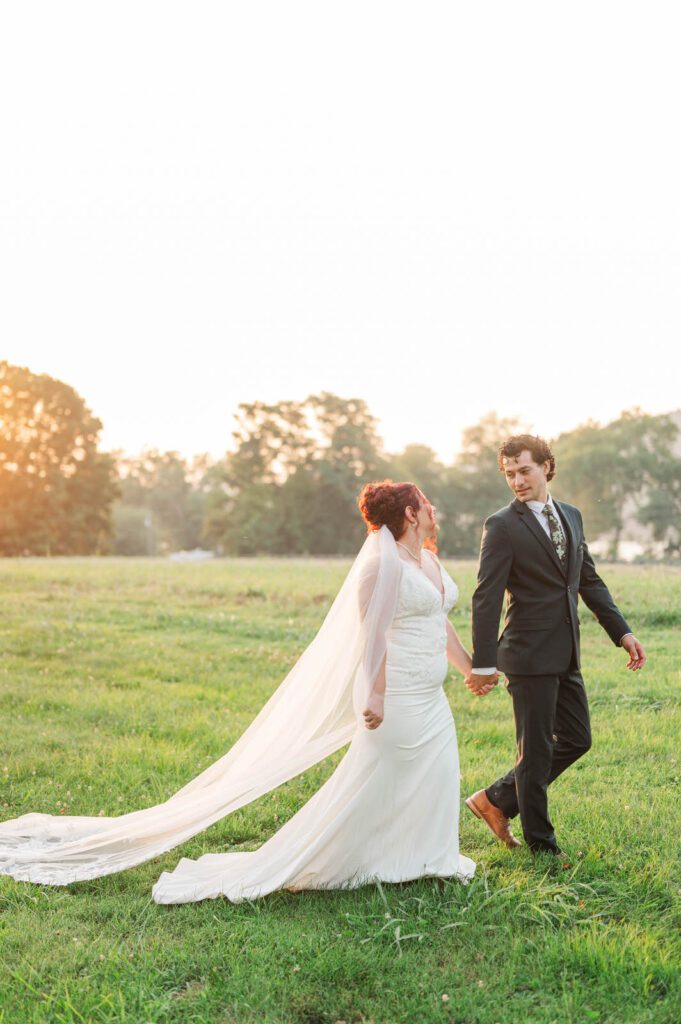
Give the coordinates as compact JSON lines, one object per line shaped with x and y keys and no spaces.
{"x":552,"y":730}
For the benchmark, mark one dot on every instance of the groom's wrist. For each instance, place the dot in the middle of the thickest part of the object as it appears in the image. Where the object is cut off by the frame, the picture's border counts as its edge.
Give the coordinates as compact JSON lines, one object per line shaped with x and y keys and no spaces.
{"x":483,"y":671}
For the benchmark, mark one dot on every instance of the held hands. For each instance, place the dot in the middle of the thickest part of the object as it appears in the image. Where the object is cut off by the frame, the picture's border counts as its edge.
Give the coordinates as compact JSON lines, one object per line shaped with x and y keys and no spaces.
{"x":373,"y":712}
{"x":637,"y":656}
{"x":479,"y":685}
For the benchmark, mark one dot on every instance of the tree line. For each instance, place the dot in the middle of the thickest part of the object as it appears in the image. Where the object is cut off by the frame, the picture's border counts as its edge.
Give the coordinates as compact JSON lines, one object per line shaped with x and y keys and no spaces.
{"x":288,"y":484}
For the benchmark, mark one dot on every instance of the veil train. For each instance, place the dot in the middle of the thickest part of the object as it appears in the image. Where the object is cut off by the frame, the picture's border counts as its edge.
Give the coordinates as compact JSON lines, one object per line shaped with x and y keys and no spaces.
{"x":314,"y":712}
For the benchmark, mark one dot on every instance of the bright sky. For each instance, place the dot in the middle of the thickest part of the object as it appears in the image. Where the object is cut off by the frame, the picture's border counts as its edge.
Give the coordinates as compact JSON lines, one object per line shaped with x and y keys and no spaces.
{"x":443,"y":208}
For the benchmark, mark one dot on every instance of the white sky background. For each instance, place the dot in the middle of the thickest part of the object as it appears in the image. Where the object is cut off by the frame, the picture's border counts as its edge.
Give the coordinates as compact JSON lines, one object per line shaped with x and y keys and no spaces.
{"x":443,"y":208}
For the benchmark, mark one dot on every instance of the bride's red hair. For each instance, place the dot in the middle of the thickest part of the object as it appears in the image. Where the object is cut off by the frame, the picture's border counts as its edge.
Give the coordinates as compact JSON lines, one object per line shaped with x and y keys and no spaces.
{"x":383,"y":503}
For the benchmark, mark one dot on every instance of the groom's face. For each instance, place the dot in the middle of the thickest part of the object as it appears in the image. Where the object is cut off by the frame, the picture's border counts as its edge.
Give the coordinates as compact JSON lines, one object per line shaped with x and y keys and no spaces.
{"x":525,"y":477}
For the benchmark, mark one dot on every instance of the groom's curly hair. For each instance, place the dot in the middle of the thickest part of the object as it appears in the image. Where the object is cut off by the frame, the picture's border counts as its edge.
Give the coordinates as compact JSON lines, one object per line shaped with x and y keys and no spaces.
{"x":537,"y":447}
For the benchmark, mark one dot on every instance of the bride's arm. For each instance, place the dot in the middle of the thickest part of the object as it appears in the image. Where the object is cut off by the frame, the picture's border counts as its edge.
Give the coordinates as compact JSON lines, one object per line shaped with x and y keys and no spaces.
{"x":456,"y":652}
{"x":373,"y":712}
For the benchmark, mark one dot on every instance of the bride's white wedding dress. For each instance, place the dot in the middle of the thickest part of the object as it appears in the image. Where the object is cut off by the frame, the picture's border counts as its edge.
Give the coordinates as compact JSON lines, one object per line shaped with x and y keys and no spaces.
{"x":390,"y":811}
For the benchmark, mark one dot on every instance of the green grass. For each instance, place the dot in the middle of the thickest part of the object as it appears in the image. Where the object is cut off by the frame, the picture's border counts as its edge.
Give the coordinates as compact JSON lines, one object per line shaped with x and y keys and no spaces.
{"x":121,"y":679}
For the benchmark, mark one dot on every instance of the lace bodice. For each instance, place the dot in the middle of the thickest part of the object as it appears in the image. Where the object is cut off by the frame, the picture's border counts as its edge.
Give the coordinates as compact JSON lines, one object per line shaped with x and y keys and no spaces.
{"x":419,"y":596}
{"x":417,"y":639}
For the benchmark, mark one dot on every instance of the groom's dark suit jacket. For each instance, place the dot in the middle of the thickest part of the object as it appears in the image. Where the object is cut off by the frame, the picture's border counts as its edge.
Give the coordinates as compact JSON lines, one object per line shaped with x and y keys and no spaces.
{"x":541,"y":628}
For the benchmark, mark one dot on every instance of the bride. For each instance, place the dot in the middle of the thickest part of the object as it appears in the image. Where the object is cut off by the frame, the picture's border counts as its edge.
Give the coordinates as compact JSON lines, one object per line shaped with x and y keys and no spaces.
{"x":373,"y":677}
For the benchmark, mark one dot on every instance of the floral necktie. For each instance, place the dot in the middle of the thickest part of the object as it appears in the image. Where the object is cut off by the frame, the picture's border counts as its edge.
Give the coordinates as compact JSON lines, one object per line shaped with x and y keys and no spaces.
{"x":557,"y":535}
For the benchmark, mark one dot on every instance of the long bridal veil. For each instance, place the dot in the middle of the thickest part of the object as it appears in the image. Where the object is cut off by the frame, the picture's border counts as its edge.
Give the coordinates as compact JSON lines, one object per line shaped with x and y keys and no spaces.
{"x":313,"y":713}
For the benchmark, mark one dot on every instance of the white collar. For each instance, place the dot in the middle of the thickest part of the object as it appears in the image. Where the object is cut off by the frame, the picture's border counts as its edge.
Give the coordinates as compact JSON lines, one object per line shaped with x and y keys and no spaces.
{"x":538,"y":506}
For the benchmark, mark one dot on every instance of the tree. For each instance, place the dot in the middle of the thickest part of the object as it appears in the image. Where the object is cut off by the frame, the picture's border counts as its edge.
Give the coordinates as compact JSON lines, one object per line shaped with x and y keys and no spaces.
{"x":661,"y":510}
{"x":473,"y":487}
{"x":611,"y":470}
{"x":271,"y":442}
{"x":161,"y":506}
{"x":291,"y":484}
{"x":133,"y":531}
{"x":348,"y":455}
{"x":420,"y":465}
{"x":349,"y":434}
{"x":56,"y":488}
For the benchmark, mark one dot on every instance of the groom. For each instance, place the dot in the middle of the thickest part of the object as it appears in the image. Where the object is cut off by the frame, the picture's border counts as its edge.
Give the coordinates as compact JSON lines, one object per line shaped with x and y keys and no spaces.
{"x":534,"y":551}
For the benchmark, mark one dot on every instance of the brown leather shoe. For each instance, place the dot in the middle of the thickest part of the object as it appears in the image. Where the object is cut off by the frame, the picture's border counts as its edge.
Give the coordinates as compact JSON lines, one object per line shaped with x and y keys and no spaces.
{"x":482,"y":807}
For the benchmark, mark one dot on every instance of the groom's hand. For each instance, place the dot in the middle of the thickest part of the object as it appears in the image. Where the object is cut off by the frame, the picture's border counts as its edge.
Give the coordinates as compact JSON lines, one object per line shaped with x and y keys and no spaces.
{"x":479,"y":685}
{"x":637,"y":656}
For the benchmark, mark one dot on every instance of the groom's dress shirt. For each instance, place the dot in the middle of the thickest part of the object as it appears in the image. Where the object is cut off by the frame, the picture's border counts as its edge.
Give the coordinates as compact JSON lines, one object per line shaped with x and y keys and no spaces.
{"x":538,"y":509}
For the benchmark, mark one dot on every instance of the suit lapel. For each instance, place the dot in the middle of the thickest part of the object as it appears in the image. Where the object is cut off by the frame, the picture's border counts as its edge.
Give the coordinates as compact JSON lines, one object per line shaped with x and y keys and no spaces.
{"x":530,"y":520}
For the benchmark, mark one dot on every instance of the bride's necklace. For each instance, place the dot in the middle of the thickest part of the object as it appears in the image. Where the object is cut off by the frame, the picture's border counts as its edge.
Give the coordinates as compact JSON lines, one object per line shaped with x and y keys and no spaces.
{"x":417,"y":558}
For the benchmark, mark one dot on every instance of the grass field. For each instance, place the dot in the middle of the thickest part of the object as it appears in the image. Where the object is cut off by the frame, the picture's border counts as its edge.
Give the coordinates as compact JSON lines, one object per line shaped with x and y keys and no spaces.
{"x":120,"y":679}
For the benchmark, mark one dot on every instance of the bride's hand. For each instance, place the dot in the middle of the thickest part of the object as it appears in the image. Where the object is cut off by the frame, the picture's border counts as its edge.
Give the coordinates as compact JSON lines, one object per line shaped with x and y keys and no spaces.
{"x":373,"y":712}
{"x":479,"y":685}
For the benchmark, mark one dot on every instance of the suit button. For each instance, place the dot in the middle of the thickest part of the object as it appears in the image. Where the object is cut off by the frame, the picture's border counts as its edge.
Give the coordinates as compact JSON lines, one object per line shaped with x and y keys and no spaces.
{"x":568,"y":620}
